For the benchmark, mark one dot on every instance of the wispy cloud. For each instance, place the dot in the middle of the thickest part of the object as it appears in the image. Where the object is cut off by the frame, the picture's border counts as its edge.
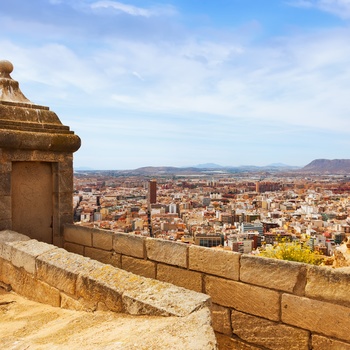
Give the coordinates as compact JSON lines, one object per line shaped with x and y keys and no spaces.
{"x":133,"y":10}
{"x":339,"y":8}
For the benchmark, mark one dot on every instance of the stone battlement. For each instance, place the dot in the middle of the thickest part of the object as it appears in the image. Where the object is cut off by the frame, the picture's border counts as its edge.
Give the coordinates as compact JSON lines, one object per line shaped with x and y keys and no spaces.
{"x":268,"y":303}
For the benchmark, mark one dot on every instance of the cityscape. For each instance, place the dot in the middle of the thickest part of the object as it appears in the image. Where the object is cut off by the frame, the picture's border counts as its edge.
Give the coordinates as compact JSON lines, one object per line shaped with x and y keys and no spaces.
{"x":244,"y":212}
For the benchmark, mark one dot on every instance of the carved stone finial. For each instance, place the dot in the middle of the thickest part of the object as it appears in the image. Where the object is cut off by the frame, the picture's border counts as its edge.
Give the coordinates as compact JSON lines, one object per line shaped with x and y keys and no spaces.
{"x":6,"y":67}
{"x":9,"y":88}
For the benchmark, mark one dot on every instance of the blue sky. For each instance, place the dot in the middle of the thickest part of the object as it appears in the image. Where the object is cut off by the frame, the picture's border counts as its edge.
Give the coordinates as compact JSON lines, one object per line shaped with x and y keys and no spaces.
{"x":185,"y":82}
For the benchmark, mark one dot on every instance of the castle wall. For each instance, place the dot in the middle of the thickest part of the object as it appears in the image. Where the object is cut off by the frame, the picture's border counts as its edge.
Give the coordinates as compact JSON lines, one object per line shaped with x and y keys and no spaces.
{"x":258,"y":303}
{"x":45,"y":273}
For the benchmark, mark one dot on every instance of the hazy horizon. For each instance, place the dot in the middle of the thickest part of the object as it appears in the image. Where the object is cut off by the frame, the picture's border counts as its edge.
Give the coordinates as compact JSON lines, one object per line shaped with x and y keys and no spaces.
{"x":203,"y":165}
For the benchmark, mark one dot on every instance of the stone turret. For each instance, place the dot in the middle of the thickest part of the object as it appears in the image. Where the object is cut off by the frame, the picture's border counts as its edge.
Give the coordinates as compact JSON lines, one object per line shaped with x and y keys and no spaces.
{"x":36,"y":165}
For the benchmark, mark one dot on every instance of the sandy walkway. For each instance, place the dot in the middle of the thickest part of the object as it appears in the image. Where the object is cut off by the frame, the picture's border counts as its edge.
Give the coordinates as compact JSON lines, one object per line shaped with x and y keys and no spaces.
{"x":25,"y":324}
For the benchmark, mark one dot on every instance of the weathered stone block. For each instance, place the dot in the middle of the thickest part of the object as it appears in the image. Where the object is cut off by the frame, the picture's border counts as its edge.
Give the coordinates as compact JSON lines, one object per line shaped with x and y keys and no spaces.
{"x":42,"y":292}
{"x":5,"y":184}
{"x":102,"y":239}
{"x":243,"y":297}
{"x":6,"y":237}
{"x":68,"y":302}
{"x":74,"y":248}
{"x":65,"y":201}
{"x":139,"y":267}
{"x":274,"y":274}
{"x":23,"y":254}
{"x":140,"y":295}
{"x":60,"y":269}
{"x":153,"y":297}
{"x":27,"y":285}
{"x":129,"y":244}
{"x":323,"y":343}
{"x":180,"y":277}
{"x":5,"y":224}
{"x":215,"y":262}
{"x":7,"y":272}
{"x":104,"y":256}
{"x":65,"y":180}
{"x":134,"y":306}
{"x":65,"y":163}
{"x":79,"y":235}
{"x":221,"y":319}
{"x":329,"y":284}
{"x":5,"y":167}
{"x":227,"y":343}
{"x":317,"y":316}
{"x":5,"y":207}
{"x":105,"y":284}
{"x":67,"y":219}
{"x":167,"y":252}
{"x":269,"y":334}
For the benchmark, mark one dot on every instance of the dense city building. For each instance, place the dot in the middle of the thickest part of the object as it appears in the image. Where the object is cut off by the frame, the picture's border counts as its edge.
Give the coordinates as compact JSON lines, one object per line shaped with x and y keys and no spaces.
{"x":227,"y":211}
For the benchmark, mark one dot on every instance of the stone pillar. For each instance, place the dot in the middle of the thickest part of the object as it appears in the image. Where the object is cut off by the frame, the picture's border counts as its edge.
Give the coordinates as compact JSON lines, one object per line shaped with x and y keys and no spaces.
{"x":36,"y":165}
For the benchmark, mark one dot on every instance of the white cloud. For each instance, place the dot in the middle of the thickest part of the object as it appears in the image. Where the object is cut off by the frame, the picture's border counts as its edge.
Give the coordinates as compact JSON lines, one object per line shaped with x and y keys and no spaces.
{"x":133,"y":10}
{"x":129,"y":9}
{"x":137,"y":75}
{"x":339,"y":8}
{"x":301,"y":80}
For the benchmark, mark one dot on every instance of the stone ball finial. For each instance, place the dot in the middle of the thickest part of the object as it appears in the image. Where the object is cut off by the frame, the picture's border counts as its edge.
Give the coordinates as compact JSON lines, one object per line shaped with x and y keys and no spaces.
{"x":6,"y":67}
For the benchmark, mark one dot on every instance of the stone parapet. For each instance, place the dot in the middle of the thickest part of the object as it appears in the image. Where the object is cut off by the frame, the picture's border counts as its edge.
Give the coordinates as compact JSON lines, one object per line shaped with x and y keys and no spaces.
{"x":140,"y":267}
{"x":271,"y":335}
{"x":244,"y":297}
{"x":166,"y":252}
{"x":78,"y":235}
{"x":319,"y":280}
{"x":52,"y":275}
{"x":258,"y":303}
{"x":317,"y":316}
{"x":273,"y":274}
{"x":129,"y":245}
{"x":214,"y":262}
{"x":180,"y":277}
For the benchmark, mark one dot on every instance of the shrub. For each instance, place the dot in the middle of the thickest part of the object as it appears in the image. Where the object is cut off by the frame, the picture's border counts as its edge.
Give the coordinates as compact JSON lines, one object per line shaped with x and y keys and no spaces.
{"x":293,"y":251}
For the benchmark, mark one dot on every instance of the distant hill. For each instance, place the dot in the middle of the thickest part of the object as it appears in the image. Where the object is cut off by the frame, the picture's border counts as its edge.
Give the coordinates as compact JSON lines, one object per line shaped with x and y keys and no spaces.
{"x":83,"y":168}
{"x":208,"y":166}
{"x":200,"y":170}
{"x":279,"y":165}
{"x":328,"y":166}
{"x":163,"y":170}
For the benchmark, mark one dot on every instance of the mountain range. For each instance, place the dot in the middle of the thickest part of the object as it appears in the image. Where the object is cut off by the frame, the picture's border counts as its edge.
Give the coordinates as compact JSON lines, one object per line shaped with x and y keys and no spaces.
{"x":328,"y":166}
{"x":317,"y":166}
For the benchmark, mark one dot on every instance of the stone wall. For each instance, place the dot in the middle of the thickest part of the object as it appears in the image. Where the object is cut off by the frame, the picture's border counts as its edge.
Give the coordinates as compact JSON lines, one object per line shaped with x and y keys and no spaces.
{"x":51,"y":275}
{"x":258,"y":303}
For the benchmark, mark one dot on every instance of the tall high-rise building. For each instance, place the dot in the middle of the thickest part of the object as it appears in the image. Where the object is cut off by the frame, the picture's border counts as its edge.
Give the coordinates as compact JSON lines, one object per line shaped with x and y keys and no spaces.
{"x":152,"y":191}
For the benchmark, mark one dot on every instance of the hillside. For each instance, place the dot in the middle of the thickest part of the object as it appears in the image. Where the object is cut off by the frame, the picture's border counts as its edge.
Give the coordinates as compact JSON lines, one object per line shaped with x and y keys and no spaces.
{"x":328,"y":166}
